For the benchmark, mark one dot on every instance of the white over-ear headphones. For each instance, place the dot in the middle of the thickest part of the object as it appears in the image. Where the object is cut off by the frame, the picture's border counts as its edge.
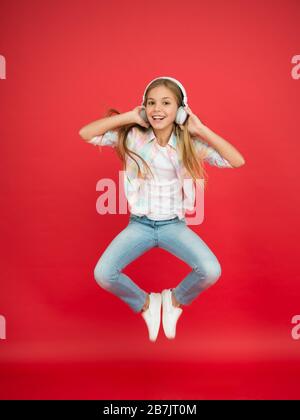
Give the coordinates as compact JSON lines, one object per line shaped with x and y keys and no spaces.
{"x":182,"y":114}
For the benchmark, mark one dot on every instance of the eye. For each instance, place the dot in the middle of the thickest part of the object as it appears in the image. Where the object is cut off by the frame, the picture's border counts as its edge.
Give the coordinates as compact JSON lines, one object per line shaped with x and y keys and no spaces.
{"x":151,"y":102}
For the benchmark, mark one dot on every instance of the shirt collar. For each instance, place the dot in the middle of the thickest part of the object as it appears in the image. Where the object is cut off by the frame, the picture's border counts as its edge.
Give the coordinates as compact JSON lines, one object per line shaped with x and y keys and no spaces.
{"x":151,"y":136}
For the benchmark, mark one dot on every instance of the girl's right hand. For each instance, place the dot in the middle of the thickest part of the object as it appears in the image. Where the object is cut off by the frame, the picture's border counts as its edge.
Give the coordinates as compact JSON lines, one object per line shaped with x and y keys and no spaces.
{"x":136,"y":117}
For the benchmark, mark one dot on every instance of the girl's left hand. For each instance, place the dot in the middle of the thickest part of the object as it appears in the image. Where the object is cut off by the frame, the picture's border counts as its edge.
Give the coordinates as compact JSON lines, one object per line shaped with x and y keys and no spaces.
{"x":193,"y":123}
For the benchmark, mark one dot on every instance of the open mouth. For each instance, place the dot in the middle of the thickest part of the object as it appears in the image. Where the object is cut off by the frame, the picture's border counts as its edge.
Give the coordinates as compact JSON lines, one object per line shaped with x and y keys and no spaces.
{"x":158,"y":118}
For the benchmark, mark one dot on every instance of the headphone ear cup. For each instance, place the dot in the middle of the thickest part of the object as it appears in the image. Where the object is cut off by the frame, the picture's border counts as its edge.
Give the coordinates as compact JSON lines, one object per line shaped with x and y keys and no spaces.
{"x":143,"y":115}
{"x":181,"y":115}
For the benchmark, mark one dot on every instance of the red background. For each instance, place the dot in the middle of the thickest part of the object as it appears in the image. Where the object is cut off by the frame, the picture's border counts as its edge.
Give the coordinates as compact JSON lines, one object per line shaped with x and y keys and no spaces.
{"x":66,"y":64}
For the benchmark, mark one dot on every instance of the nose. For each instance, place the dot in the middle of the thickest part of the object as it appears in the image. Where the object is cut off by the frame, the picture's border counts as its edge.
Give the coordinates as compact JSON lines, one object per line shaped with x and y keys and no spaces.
{"x":157,"y":107}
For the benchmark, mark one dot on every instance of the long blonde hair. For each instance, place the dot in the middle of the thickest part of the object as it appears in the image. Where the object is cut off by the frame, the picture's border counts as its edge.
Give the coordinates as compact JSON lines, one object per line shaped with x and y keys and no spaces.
{"x":192,"y":160}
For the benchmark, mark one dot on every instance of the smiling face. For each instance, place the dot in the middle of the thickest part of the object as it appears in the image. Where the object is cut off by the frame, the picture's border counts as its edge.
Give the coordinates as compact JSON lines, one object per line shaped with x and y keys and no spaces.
{"x":161,"y":102}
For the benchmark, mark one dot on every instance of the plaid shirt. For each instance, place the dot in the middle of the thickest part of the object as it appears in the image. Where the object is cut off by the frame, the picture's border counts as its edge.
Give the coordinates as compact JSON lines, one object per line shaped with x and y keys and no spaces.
{"x":144,"y":144}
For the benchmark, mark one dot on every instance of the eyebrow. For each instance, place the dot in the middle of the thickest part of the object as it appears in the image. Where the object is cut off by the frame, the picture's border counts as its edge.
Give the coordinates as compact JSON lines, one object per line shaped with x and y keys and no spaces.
{"x":165,"y":97}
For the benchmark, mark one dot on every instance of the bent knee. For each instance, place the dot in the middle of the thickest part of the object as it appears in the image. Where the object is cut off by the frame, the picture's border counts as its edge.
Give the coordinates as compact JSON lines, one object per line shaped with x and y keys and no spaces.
{"x":104,"y":276}
{"x":210,"y":270}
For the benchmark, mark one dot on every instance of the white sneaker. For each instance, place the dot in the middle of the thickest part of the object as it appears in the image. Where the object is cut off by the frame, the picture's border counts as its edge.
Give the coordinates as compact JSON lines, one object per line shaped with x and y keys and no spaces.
{"x":171,"y":313}
{"x":152,"y":315}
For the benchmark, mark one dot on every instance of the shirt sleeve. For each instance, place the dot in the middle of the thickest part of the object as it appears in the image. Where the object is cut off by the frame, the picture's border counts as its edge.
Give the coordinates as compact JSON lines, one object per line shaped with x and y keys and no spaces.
{"x":109,"y":138}
{"x":211,"y":155}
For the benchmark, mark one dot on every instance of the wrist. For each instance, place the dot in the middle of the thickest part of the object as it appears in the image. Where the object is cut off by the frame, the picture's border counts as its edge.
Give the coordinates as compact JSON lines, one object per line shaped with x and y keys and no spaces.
{"x":129,"y":117}
{"x":201,"y":129}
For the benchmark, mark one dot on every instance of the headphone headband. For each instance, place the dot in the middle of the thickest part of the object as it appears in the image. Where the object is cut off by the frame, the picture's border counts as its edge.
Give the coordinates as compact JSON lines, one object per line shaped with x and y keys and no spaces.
{"x":184,"y":100}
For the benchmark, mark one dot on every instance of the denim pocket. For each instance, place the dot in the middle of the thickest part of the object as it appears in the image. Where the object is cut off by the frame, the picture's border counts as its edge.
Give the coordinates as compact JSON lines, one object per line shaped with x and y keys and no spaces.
{"x":182,"y":221}
{"x":132,"y":218}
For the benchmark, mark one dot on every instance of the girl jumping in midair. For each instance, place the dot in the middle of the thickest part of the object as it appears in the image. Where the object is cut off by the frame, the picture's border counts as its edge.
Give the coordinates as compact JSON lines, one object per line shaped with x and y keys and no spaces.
{"x":161,"y":143}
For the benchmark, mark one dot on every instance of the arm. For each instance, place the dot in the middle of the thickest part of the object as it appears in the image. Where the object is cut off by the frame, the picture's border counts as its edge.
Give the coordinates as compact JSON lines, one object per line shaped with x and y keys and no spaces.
{"x":223,"y":147}
{"x":210,"y":155}
{"x":99,"y":127}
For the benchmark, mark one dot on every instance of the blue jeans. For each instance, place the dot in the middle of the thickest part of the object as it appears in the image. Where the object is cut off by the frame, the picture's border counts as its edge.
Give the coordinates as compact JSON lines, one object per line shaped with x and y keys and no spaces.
{"x":142,"y":234}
